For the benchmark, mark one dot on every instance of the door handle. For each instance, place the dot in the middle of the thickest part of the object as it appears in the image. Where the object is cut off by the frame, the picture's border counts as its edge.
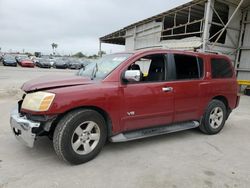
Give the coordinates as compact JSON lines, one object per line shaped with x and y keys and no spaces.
{"x":167,"y":89}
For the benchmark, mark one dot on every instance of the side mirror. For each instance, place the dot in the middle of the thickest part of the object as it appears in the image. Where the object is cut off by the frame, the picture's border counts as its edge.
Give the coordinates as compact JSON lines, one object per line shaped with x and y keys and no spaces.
{"x":132,"y":76}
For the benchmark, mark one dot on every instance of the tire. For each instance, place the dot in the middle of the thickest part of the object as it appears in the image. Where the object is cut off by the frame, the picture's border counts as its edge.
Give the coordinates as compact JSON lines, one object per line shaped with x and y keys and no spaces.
{"x":214,"y":118}
{"x":79,"y":136}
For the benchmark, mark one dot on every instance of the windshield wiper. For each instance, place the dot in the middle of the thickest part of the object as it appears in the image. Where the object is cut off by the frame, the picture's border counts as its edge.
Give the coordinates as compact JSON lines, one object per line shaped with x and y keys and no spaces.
{"x":95,"y":69}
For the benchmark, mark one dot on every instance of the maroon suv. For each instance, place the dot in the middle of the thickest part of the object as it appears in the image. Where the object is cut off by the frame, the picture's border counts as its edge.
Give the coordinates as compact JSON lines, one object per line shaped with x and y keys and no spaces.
{"x":127,"y":96}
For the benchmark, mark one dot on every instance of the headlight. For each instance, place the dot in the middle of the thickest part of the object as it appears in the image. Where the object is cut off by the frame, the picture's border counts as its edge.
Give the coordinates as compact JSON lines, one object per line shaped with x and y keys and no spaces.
{"x":38,"y":101}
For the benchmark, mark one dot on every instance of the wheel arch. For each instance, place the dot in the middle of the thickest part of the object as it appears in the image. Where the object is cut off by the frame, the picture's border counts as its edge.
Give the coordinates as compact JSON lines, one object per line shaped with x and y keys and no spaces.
{"x":225,"y":101}
{"x":222,"y":99}
{"x":103,"y":113}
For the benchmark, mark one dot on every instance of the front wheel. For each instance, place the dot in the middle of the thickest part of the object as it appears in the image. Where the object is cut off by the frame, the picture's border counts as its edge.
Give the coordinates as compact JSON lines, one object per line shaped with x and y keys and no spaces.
{"x":80,"y":136}
{"x":214,"y":118}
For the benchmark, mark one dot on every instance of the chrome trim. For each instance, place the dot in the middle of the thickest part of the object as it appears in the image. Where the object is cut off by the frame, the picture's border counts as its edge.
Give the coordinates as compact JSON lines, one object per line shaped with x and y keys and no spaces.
{"x":154,"y":131}
{"x":167,"y":89}
{"x":22,"y":128}
{"x":132,"y":75}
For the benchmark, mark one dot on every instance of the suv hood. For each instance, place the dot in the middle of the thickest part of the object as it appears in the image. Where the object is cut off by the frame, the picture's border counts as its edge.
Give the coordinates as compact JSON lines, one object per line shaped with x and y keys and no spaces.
{"x":49,"y":82}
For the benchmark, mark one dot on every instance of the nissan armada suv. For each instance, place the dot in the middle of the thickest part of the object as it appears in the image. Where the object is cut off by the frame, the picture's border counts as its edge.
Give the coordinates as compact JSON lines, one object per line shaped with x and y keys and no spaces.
{"x":127,"y":96}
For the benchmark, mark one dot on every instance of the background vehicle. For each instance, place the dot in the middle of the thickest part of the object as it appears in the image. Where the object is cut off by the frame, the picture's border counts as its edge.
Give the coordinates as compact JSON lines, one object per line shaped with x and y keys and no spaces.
{"x":127,"y":96}
{"x":1,"y":57}
{"x":60,"y":64}
{"x":26,"y":63}
{"x":19,"y":58}
{"x":74,"y":63}
{"x":43,"y":63}
{"x":52,"y":61}
{"x":9,"y":60}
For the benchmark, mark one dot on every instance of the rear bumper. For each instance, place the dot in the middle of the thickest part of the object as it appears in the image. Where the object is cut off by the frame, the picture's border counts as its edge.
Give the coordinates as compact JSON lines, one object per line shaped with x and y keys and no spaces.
{"x":45,"y":66}
{"x":27,"y":65}
{"x":61,"y":66}
{"x":74,"y":66}
{"x":23,"y":128}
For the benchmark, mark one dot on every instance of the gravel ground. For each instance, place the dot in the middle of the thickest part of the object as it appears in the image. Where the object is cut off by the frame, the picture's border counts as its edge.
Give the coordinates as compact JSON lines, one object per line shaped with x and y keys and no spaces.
{"x":183,"y":159}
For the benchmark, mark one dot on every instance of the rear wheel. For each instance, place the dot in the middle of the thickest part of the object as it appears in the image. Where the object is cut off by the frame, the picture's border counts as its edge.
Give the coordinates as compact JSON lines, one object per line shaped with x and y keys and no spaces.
{"x":214,"y":118}
{"x":80,"y":136}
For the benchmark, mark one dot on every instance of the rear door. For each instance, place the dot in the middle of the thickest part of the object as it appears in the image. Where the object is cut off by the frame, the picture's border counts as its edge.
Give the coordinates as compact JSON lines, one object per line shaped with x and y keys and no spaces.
{"x":186,"y":78}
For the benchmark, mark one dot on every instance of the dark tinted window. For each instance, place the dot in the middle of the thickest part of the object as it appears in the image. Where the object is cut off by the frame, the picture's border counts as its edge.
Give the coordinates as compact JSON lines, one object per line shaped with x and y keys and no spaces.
{"x":221,"y":68}
{"x":188,"y":67}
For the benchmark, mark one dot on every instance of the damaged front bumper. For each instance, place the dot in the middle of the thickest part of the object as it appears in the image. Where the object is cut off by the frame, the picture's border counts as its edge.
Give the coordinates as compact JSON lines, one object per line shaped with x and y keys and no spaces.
{"x":23,"y":128}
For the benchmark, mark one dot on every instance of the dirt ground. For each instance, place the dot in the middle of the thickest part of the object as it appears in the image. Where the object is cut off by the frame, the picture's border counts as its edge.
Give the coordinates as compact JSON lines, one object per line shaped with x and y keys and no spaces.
{"x":183,"y":159}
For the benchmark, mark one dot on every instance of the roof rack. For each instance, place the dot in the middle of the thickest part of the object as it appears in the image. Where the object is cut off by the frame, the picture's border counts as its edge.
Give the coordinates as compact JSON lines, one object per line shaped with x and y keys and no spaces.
{"x":210,"y":51}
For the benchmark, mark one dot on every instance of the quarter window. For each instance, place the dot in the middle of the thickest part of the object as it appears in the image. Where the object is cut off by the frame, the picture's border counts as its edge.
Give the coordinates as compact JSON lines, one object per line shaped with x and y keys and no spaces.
{"x":221,"y":68}
{"x":188,"y":67}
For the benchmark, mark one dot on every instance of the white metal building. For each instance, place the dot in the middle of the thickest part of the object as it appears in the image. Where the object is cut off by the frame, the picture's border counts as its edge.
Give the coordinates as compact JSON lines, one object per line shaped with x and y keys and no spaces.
{"x":205,"y":25}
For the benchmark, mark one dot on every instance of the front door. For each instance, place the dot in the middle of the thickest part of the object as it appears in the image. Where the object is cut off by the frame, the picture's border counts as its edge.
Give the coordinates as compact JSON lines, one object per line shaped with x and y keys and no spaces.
{"x":149,"y":102}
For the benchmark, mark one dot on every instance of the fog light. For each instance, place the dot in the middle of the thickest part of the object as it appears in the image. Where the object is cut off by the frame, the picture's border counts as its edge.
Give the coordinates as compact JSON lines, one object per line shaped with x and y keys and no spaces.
{"x":16,"y":131}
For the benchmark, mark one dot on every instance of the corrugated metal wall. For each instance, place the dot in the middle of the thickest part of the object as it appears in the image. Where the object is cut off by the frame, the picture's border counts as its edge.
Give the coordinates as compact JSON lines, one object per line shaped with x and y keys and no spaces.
{"x":143,"y":36}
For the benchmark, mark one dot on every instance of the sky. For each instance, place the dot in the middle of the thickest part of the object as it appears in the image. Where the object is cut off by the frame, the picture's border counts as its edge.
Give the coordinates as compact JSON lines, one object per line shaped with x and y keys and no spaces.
{"x":75,"y":25}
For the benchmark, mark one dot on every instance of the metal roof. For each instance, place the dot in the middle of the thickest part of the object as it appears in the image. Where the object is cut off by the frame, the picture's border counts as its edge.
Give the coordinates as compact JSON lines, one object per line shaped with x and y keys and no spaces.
{"x":120,"y":34}
{"x":118,"y":37}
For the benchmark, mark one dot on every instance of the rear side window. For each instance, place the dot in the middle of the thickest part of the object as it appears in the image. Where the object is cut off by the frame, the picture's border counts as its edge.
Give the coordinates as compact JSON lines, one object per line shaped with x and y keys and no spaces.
{"x":221,"y":68}
{"x":188,"y":67}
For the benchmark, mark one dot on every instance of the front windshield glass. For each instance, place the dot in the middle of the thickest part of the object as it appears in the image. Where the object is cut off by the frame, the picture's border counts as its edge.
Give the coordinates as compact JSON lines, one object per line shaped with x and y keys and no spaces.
{"x":23,"y":57}
{"x":9,"y":58}
{"x":104,"y":66}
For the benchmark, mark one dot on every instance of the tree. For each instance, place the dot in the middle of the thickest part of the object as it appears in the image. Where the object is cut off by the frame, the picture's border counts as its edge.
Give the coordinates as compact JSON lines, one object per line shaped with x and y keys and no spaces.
{"x":79,"y":55}
{"x":54,"y":46}
{"x":93,"y":56}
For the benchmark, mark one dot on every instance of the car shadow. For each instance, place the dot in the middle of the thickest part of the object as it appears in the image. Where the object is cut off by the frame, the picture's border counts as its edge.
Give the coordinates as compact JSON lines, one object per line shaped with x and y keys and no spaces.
{"x":43,"y":148}
{"x":154,"y":140}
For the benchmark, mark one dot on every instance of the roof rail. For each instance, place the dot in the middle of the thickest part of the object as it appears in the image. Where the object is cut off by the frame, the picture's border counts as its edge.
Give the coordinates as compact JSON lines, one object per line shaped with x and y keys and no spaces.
{"x":150,"y":47}
{"x":210,"y":51}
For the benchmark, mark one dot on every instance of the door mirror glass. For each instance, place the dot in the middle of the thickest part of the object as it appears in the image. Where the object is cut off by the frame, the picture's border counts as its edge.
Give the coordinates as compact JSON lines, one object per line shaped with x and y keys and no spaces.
{"x":132,"y":76}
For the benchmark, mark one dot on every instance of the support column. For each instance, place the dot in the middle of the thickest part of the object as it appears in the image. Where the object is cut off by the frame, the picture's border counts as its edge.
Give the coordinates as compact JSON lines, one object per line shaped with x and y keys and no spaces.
{"x":207,"y":24}
{"x":242,"y":30}
{"x":100,"y":48}
{"x":135,"y":30}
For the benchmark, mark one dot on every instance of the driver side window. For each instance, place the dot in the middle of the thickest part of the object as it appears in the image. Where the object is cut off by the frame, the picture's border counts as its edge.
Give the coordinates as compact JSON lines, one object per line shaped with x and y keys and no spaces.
{"x":152,"y":68}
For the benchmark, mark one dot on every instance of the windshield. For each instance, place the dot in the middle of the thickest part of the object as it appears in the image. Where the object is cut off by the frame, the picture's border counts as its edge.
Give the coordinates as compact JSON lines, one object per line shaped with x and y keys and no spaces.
{"x":44,"y":61}
{"x":9,"y":58}
{"x":22,"y":57}
{"x":104,"y":66}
